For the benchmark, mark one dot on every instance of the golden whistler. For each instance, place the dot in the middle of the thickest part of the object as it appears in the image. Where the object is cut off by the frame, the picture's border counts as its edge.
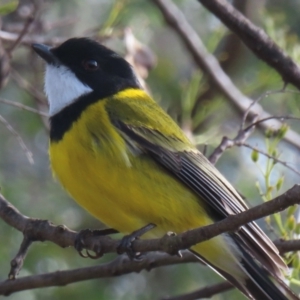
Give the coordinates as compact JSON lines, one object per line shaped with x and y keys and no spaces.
{"x":126,"y":161}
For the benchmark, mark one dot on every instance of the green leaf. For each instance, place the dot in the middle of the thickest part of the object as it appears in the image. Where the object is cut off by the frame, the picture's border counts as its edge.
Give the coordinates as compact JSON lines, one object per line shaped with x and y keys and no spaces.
{"x":269,"y":133}
{"x":113,"y":17}
{"x":279,"y":183}
{"x":291,"y":210}
{"x":291,"y":223}
{"x":191,"y":92}
{"x":282,"y":131}
{"x":275,"y":154}
{"x":9,"y":7}
{"x":254,"y":155}
{"x":296,"y":262}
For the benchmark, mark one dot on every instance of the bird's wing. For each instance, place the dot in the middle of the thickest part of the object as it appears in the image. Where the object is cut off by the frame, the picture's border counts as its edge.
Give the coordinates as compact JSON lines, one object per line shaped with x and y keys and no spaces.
{"x":192,"y":168}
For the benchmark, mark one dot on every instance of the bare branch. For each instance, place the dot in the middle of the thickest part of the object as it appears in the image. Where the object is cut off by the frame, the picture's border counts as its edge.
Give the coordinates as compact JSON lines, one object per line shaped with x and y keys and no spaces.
{"x":24,"y":84}
{"x":17,"y":263}
{"x":287,"y":246}
{"x":206,"y":292}
{"x":21,"y":35}
{"x":4,"y":65}
{"x":240,"y":140}
{"x":62,"y":236}
{"x":19,"y":139}
{"x":264,"y":95}
{"x":277,"y":160}
{"x":253,"y":124}
{"x":24,"y":107}
{"x":120,"y":266}
{"x":241,"y":137}
{"x":150,"y":261}
{"x":28,"y":40}
{"x":38,"y":229}
{"x":256,"y":39}
{"x":175,"y":18}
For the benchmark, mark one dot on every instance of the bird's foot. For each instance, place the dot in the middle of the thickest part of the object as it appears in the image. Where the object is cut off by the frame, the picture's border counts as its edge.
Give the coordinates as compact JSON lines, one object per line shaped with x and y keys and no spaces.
{"x":84,"y":234}
{"x":125,"y":245}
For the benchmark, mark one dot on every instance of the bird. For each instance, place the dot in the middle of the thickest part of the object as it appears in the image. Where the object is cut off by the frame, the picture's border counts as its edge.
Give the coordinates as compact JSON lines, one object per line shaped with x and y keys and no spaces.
{"x":128,"y":163}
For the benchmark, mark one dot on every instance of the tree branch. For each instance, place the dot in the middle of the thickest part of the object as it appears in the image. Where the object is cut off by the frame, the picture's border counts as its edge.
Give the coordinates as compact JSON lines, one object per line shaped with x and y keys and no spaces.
{"x":242,"y":135}
{"x":207,"y":62}
{"x":24,"y":107}
{"x":264,"y":153}
{"x":18,"y":138}
{"x":39,"y":230}
{"x":240,"y":141}
{"x":256,"y":40}
{"x":287,"y":246}
{"x":28,"y":40}
{"x":119,"y":266}
{"x":115,"y":268}
{"x":206,"y":292}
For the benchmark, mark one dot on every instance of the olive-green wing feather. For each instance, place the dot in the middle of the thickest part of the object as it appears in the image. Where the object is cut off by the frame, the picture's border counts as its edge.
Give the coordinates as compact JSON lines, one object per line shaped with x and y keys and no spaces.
{"x":159,"y":137}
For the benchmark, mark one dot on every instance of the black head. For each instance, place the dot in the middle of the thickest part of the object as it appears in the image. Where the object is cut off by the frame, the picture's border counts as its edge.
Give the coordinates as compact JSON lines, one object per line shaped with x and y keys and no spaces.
{"x":96,"y":66}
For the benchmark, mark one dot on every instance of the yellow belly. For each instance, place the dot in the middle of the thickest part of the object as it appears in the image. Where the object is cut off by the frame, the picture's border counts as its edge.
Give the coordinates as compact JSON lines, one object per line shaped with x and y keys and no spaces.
{"x":127,"y":191}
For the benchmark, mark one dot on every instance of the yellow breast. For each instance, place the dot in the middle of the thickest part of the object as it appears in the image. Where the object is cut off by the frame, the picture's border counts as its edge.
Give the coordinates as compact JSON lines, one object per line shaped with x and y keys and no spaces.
{"x":122,"y":189}
{"x":125,"y":190}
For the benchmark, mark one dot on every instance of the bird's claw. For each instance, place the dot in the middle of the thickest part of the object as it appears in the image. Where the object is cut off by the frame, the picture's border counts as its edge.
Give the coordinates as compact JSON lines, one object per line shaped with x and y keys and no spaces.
{"x":125,"y":245}
{"x":81,"y":237}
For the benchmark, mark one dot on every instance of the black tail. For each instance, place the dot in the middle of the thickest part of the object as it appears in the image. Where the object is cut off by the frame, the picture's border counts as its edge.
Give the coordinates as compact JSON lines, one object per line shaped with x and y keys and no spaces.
{"x":261,"y":286}
{"x":260,"y":283}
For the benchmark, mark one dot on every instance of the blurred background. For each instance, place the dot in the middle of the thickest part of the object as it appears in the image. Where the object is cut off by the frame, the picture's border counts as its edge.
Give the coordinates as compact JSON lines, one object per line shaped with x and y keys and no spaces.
{"x":169,"y":73}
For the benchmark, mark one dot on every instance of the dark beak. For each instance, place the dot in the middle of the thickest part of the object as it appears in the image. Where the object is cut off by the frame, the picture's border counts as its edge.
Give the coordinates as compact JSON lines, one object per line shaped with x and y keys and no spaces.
{"x":45,"y":53}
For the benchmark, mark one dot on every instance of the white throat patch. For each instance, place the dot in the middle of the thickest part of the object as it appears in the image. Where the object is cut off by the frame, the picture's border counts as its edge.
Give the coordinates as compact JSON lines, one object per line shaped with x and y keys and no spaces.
{"x":62,"y":88}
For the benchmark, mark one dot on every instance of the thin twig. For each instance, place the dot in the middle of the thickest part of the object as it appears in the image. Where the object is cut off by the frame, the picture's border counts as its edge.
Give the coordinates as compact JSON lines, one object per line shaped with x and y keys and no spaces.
{"x":29,"y":39}
{"x":226,"y":143}
{"x":21,"y":35}
{"x":120,"y":266}
{"x":254,"y":124}
{"x":19,"y":139}
{"x":24,"y":107}
{"x":17,"y":262}
{"x":206,"y":292}
{"x":67,"y":21}
{"x":277,"y":160}
{"x":176,"y":19}
{"x":240,"y":140}
{"x":24,"y":84}
{"x":264,"y":95}
{"x":287,"y":246}
{"x":255,"y":39}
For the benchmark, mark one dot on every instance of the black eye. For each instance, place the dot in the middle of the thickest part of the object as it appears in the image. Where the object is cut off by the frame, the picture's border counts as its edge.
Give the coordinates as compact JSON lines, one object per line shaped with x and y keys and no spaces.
{"x":90,"y":65}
